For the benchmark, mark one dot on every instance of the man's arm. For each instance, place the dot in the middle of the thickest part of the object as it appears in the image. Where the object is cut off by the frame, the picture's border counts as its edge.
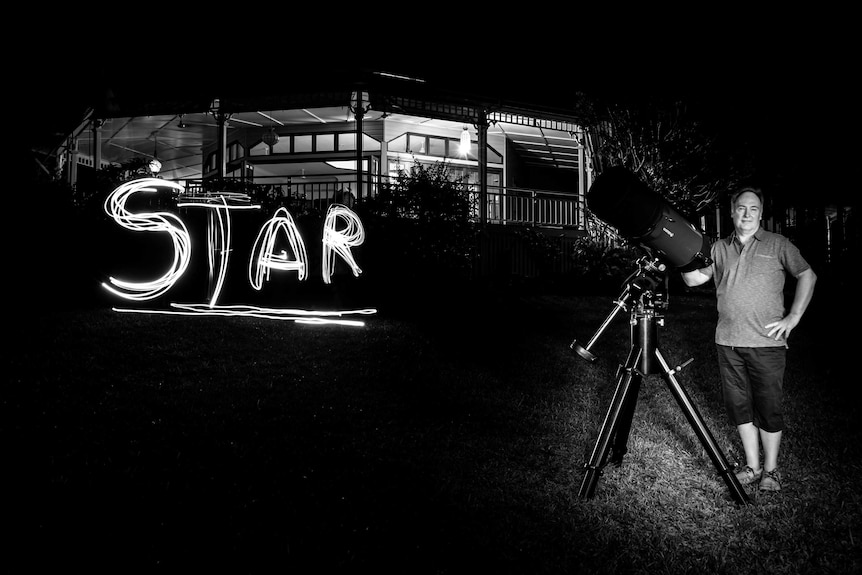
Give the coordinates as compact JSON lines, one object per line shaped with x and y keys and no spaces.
{"x":801,"y":298}
{"x":697,"y":277}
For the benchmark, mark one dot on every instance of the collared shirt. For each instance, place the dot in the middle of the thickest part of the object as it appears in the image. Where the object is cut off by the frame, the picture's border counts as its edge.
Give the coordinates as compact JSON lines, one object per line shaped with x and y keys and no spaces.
{"x":749,"y":280}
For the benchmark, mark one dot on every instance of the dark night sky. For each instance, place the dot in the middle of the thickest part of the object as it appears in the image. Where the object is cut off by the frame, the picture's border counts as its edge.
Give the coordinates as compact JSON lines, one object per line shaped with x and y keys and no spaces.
{"x":782,"y":83}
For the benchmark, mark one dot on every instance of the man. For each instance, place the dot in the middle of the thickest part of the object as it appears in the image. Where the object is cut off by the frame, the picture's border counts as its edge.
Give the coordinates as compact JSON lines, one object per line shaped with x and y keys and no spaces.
{"x":749,"y":269}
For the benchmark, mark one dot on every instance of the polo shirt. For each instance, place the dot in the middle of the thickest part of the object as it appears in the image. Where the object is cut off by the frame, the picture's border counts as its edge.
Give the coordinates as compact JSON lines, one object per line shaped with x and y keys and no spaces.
{"x":749,"y":280}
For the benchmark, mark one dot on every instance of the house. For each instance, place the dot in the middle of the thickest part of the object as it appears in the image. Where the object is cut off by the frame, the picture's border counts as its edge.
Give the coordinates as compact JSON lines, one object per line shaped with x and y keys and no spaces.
{"x":337,"y":138}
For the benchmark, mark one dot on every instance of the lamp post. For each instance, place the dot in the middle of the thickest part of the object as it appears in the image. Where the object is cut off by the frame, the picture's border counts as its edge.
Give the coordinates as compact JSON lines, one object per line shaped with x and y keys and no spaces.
{"x":359,"y":104}
{"x":482,"y":127}
{"x":97,"y":144}
{"x":221,"y":121}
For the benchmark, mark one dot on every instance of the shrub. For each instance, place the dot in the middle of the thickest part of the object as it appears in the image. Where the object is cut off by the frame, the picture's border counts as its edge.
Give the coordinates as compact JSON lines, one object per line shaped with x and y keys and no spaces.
{"x":420,"y":239}
{"x":600,"y":268}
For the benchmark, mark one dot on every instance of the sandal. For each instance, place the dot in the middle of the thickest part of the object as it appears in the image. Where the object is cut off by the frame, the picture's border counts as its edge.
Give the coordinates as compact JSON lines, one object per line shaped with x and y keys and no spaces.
{"x":747,"y":475}
{"x":771,"y":481}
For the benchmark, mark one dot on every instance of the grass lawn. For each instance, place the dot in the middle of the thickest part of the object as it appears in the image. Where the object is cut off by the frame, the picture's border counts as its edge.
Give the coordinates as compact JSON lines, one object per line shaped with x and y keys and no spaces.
{"x":450,"y":443}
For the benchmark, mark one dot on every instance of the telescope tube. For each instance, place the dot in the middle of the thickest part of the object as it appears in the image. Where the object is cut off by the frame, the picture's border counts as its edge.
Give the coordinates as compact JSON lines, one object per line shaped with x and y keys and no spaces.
{"x":620,"y":199}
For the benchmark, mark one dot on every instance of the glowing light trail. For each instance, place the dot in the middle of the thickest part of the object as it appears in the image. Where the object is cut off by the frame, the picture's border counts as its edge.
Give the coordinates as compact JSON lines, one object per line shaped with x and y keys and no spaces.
{"x":115,"y":206}
{"x":267,"y":253}
{"x":340,"y":241}
{"x":263,"y":257}
{"x":295,"y":315}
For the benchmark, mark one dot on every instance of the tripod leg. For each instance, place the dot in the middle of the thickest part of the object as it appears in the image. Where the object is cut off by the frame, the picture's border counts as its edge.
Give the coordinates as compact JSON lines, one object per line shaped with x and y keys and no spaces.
{"x":624,"y":426}
{"x":611,"y":424}
{"x":702,"y":432}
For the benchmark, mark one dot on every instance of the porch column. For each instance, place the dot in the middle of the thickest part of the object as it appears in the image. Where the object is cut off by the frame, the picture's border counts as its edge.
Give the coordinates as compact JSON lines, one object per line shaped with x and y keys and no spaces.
{"x":482,"y":129}
{"x":582,"y":181}
{"x":72,"y":161}
{"x":222,"y":145}
{"x":221,"y":137}
{"x":358,"y":106}
{"x":359,"y":113}
{"x":97,"y":144}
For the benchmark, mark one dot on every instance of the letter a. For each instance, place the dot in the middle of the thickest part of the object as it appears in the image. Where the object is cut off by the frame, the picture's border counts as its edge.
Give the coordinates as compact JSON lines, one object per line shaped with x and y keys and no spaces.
{"x":263,"y":254}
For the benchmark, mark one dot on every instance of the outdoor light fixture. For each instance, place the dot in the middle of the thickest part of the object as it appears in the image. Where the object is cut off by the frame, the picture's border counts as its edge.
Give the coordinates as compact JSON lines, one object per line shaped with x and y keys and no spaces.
{"x":359,"y":103}
{"x":464,"y":147}
{"x":270,"y":138}
{"x":155,"y":165}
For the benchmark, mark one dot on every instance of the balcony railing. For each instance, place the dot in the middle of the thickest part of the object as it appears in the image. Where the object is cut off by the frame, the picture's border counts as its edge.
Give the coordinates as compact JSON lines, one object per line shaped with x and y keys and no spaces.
{"x":535,"y":208}
{"x":505,"y":206}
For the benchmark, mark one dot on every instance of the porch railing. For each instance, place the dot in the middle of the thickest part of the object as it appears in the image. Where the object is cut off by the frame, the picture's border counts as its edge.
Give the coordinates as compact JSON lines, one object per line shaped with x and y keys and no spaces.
{"x":522,"y":206}
{"x":505,"y":206}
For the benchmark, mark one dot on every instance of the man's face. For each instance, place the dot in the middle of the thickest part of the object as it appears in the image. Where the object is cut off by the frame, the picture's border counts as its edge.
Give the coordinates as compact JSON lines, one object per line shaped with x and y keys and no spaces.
{"x":747,"y":213}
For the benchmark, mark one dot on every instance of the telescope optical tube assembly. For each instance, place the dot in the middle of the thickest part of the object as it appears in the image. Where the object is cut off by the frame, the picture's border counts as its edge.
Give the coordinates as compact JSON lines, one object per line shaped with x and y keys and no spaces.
{"x":620,"y":199}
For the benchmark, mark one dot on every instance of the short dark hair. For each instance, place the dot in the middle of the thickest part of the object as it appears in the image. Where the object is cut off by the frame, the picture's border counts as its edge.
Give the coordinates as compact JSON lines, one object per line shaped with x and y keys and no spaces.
{"x":756,"y":191}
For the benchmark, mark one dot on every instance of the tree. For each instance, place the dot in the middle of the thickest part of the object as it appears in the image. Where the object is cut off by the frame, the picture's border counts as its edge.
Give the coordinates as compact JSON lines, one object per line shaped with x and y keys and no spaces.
{"x":668,"y":146}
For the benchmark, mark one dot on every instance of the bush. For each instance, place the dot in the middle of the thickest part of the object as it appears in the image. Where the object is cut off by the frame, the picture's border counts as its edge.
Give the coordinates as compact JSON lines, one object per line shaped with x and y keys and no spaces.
{"x":420,"y":240}
{"x":600,"y":269}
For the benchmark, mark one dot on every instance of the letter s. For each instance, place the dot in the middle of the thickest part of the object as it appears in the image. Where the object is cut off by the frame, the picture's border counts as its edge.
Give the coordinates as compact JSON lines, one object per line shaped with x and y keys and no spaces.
{"x":115,"y":206}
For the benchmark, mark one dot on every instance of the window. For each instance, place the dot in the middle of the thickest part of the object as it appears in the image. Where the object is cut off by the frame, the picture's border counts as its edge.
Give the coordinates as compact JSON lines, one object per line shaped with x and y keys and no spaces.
{"x":302,"y":144}
{"x":347,"y":141}
{"x":260,"y":149}
{"x":416,"y":144}
{"x":439,"y":147}
{"x":282,"y":146}
{"x":325,"y":142}
{"x":308,"y":143}
{"x":399,"y":144}
{"x":456,"y":152}
{"x":369,"y":143}
{"x":436,"y":147}
{"x":235,"y":151}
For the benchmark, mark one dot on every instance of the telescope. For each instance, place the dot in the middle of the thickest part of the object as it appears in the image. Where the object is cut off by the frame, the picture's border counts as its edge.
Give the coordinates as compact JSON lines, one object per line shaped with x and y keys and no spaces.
{"x":642,"y":216}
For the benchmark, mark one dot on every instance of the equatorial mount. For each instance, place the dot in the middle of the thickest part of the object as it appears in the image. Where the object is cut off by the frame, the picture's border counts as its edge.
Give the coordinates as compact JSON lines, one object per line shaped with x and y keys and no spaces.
{"x":640,"y":294}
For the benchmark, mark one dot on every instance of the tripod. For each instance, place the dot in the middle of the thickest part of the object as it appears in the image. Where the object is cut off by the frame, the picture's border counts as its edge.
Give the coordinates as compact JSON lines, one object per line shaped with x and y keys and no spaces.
{"x":644,"y":358}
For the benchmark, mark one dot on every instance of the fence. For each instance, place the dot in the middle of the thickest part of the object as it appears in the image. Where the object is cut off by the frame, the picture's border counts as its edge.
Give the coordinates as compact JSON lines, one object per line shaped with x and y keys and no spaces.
{"x":505,"y":206}
{"x":513,"y":216}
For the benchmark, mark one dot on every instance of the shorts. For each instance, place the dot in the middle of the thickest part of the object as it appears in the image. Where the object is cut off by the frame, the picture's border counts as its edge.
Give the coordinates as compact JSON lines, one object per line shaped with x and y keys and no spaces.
{"x":752,"y":384}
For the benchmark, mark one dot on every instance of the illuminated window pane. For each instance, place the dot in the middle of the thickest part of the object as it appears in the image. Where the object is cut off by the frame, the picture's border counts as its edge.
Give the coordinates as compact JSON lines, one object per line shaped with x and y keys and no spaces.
{"x":399,"y":144}
{"x":235,"y":151}
{"x":436,"y":147}
{"x":282,"y":146}
{"x":399,"y":166}
{"x":369,"y":143}
{"x":347,"y":141}
{"x":259,"y":150}
{"x":455,"y":149}
{"x":415,"y":144}
{"x":301,"y":144}
{"x":325,"y":142}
